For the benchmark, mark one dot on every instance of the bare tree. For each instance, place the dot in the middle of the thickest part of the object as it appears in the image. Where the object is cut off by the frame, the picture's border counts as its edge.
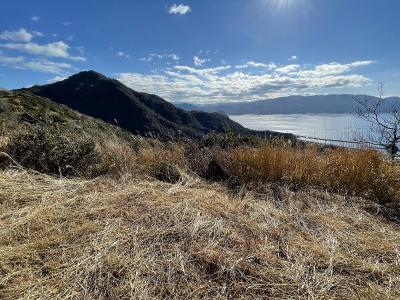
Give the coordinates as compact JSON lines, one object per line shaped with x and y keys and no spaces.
{"x":383,"y":115}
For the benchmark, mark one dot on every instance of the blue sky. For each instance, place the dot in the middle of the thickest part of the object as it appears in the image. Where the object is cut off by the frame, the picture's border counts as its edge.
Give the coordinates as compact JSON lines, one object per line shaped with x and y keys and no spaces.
{"x":206,"y":50}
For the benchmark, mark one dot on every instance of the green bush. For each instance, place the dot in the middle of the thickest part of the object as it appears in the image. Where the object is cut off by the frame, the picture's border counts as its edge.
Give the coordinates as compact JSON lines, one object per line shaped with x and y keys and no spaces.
{"x":48,"y":150}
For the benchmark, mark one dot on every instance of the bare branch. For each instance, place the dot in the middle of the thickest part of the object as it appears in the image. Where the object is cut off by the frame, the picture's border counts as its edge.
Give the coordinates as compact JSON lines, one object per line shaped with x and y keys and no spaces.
{"x":384,"y":120}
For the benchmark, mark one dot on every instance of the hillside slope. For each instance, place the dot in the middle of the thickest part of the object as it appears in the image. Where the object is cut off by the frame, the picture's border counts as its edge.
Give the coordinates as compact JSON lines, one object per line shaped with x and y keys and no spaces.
{"x":22,"y":107}
{"x":206,"y":219}
{"x":94,"y":94}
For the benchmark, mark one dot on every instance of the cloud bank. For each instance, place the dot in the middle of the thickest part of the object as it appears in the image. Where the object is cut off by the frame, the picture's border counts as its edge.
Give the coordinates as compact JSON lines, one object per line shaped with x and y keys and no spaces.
{"x":261,"y":81}
{"x":56,"y":49}
{"x":22,"y":35}
{"x":40,"y":64}
{"x":29,"y":55}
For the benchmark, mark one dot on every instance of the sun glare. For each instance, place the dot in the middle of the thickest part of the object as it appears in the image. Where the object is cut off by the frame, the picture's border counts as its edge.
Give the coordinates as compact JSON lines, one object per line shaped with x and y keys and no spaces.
{"x":285,"y":5}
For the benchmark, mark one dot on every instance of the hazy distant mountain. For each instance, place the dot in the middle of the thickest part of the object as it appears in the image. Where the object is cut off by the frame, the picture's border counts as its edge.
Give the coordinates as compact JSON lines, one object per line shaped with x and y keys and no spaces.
{"x":186,"y":106}
{"x":323,"y":104}
{"x":96,"y":95}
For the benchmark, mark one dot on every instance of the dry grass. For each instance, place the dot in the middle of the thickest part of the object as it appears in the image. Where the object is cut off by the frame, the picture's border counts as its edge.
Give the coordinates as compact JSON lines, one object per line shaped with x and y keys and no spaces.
{"x":276,"y":233}
{"x":363,"y":173}
{"x":120,"y":158}
{"x":126,"y":235}
{"x":145,"y":239}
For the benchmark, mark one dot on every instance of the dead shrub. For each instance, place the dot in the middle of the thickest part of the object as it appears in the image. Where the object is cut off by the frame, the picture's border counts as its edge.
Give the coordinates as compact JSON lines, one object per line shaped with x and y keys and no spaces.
{"x":165,"y":171}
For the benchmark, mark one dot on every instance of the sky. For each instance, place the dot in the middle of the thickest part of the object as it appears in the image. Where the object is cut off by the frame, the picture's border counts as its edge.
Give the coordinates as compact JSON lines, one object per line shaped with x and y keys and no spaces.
{"x":206,"y":51}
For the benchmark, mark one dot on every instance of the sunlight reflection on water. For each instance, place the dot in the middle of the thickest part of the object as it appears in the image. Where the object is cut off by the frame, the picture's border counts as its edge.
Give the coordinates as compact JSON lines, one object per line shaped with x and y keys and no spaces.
{"x":326,"y":126}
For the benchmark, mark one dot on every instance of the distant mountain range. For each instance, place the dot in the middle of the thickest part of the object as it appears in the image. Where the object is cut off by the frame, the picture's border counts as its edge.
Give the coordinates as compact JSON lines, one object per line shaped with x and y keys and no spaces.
{"x":94,"y":94}
{"x":323,"y":104}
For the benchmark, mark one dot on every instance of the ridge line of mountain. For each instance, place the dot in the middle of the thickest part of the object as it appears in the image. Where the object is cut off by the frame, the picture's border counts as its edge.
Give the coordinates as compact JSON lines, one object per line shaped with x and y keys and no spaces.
{"x":317,"y":104}
{"x":98,"y":96}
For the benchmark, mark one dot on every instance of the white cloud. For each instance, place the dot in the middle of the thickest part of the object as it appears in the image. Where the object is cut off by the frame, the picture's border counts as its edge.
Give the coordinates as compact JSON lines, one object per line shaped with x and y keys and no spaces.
{"x":200,"y":61}
{"x":256,"y":65}
{"x":208,"y":51}
{"x":35,"y":54}
{"x":38,"y":33}
{"x":56,"y":49}
{"x":334,"y":68}
{"x":40,"y":65}
{"x":123,"y":54}
{"x":149,"y":58}
{"x":173,"y":56}
{"x":202,"y":72}
{"x":222,"y":83}
{"x":269,"y":66}
{"x":361,"y":63}
{"x":35,"y":18}
{"x":57,"y":78}
{"x":288,"y":69}
{"x":293,"y":57}
{"x":67,"y":23}
{"x":81,"y":49}
{"x":70,"y":38}
{"x":242,"y":66}
{"x":11,"y":59}
{"x":22,"y":35}
{"x":179,"y":9}
{"x":46,"y":66}
{"x":167,"y":56}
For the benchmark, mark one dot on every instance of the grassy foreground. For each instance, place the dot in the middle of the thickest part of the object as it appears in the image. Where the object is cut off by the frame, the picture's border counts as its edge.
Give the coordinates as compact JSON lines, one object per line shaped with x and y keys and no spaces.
{"x":88,"y":211}
{"x":139,"y":238}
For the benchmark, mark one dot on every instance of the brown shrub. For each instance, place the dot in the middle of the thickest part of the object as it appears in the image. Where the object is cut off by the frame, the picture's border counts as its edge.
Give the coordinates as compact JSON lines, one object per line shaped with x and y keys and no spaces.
{"x":165,"y":171}
{"x":161,"y":161}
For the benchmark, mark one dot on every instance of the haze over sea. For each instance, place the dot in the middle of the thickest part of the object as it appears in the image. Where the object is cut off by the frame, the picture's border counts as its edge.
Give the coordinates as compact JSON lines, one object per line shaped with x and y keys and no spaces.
{"x":346,"y":127}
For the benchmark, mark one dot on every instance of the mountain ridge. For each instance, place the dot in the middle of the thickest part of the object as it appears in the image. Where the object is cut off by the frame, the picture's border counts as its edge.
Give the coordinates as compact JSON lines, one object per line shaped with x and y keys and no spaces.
{"x":318,"y":104}
{"x":98,"y":96}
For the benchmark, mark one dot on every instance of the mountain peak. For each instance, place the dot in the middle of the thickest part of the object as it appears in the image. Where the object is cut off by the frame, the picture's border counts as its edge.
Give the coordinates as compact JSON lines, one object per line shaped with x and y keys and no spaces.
{"x":87,"y":76}
{"x":96,"y":95}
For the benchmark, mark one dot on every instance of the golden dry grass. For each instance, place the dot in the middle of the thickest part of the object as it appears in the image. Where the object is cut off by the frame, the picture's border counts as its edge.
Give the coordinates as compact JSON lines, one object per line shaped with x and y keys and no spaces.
{"x":125,"y":235}
{"x":119,"y":158}
{"x":279,"y":232}
{"x":364,"y":173}
{"x":137,"y":238}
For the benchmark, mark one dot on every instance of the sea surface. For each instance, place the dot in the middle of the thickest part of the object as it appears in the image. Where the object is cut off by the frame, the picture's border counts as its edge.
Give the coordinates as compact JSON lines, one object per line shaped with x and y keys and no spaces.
{"x":344,"y":127}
